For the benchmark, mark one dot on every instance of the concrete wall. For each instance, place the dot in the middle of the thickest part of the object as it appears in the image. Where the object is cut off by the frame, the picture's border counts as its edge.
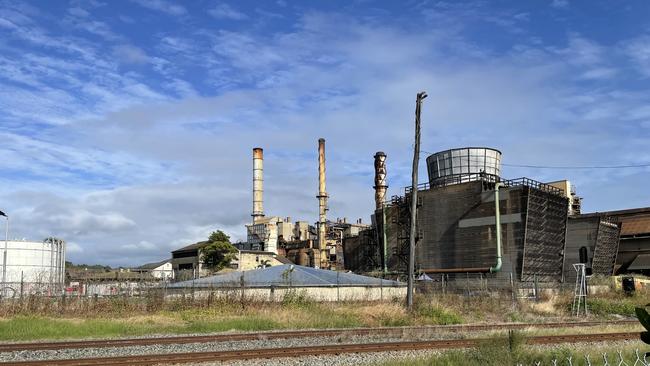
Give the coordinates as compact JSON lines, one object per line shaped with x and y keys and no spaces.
{"x":311,"y":293}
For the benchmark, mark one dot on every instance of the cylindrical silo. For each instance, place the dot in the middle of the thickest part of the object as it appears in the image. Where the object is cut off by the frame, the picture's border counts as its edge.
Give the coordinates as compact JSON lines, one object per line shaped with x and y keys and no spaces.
{"x":35,"y":267}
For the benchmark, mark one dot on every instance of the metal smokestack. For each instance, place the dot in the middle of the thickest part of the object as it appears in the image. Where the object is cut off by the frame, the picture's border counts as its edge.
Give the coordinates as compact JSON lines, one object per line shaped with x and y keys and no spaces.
{"x":322,"y":204}
{"x":380,"y":179}
{"x":258,"y":184}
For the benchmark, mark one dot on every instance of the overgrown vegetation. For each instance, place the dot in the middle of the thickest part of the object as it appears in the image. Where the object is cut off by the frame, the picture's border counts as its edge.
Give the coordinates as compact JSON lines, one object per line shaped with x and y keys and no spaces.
{"x":42,"y":318}
{"x":500,"y":352}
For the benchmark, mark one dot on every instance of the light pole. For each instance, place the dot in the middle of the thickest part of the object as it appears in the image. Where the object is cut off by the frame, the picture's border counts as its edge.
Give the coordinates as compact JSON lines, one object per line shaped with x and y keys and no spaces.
{"x":4,"y":255}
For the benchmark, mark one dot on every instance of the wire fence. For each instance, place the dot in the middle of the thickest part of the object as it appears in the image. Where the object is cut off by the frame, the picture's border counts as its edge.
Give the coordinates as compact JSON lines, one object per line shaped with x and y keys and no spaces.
{"x":637,"y":359}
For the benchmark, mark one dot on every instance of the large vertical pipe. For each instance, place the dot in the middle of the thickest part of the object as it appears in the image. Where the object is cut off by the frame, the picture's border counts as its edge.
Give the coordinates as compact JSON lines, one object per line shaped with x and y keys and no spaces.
{"x":322,"y":205}
{"x":258,"y":184}
{"x":497,"y":218}
{"x":380,"y":199}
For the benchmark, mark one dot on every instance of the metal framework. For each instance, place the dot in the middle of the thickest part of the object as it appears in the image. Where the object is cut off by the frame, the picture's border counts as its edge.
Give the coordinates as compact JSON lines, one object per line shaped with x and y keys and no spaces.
{"x":490,"y":178}
{"x":545,"y":236}
{"x":606,"y":248}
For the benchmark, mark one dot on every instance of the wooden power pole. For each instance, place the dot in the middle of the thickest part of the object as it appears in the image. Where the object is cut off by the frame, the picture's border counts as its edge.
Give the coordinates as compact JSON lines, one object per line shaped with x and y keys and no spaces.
{"x":414,"y":199}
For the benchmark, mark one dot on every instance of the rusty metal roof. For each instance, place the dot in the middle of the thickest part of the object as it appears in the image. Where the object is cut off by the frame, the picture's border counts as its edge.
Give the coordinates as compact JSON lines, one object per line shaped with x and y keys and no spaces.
{"x":635,"y":225}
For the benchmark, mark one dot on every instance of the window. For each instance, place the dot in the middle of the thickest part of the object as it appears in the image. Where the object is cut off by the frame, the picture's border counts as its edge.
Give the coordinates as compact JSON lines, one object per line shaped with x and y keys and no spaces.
{"x":583,"y":255}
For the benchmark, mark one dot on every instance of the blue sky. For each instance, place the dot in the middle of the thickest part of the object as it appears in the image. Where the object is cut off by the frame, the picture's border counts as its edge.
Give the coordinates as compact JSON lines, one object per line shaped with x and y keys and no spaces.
{"x":127,"y":126}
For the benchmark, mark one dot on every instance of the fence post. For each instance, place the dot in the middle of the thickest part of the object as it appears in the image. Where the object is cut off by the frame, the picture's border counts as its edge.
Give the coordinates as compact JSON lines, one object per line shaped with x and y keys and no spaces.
{"x":467,"y":282}
{"x":381,"y":288}
{"x":512,"y":289}
{"x":22,"y":284}
{"x":338,"y":287}
{"x":536,"y":288}
{"x":241,"y":283}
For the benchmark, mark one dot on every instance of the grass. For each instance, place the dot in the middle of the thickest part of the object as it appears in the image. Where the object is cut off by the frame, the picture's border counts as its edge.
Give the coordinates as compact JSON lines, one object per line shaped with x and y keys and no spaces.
{"x":501,"y":352}
{"x":41,"y":318}
{"x":31,"y":328}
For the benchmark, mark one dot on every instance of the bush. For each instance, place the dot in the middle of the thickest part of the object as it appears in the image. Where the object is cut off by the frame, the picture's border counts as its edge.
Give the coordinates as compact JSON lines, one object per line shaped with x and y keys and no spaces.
{"x":438,"y":315}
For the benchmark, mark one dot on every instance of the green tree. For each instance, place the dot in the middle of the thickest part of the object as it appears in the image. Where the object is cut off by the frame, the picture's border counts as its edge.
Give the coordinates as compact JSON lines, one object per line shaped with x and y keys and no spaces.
{"x":218,"y":252}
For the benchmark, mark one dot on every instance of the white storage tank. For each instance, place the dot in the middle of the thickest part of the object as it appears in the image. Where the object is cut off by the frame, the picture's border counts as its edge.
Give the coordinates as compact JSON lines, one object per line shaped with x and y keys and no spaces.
{"x":33,"y":267}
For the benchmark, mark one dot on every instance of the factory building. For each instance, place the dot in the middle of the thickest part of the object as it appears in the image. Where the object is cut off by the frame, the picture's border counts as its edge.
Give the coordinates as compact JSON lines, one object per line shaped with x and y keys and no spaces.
{"x":633,"y":244}
{"x":317,"y":246}
{"x":33,"y":267}
{"x":456,"y":222}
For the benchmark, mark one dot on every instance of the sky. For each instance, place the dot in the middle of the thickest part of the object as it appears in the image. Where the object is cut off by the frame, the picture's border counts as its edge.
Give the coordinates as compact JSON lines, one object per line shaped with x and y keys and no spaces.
{"x":127,"y":126}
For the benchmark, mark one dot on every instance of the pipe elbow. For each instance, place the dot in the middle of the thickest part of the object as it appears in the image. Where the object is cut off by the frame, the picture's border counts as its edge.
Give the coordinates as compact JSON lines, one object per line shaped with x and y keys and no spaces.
{"x":496,"y":267}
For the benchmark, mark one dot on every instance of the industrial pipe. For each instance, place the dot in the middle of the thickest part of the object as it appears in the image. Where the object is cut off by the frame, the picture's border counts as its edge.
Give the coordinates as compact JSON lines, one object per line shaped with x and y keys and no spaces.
{"x":497,"y":217}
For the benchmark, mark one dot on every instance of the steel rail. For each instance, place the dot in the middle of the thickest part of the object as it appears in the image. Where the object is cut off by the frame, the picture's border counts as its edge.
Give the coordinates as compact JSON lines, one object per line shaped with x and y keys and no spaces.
{"x":267,"y":353}
{"x":225,"y":337}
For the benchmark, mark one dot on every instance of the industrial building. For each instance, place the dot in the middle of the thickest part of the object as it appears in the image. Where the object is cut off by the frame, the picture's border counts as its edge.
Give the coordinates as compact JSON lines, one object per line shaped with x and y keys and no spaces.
{"x":33,"y":267}
{"x":543,"y":231}
{"x":319,"y":245}
{"x":633,"y":245}
{"x":456,"y":222}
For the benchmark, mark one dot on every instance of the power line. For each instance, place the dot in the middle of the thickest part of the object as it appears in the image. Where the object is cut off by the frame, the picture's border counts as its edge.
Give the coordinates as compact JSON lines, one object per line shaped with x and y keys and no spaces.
{"x":646,"y":165}
{"x":578,"y":166}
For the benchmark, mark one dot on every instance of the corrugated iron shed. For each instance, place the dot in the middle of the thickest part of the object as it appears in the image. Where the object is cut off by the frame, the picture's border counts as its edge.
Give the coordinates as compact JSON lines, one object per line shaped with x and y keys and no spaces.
{"x":287,"y":276}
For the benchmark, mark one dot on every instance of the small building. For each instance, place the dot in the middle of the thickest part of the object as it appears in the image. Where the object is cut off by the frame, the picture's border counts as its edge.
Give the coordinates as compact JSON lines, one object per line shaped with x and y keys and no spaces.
{"x":186,"y":261}
{"x":162,"y":270}
{"x":275,"y":283}
{"x":253,"y":259}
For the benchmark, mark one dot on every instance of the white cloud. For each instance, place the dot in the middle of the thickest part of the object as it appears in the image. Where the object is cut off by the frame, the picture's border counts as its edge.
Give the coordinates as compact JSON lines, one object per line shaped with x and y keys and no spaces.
{"x":638,"y":50}
{"x":130,"y":54}
{"x":560,"y":4}
{"x":225,"y":11}
{"x":79,"y":12}
{"x":163,"y":6}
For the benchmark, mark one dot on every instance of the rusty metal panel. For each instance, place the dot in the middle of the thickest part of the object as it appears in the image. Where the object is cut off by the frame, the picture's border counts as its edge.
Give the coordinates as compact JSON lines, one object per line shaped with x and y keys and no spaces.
{"x":635,"y":225}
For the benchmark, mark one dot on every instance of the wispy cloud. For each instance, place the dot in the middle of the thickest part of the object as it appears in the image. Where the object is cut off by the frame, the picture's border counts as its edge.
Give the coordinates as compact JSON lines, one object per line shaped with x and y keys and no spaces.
{"x":164,"y":6}
{"x":130,"y":54}
{"x":225,"y":11}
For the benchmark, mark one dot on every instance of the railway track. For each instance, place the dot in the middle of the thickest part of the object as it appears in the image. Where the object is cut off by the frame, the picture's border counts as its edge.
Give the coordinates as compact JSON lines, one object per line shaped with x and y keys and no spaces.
{"x":267,"y":353}
{"x":392,"y":331}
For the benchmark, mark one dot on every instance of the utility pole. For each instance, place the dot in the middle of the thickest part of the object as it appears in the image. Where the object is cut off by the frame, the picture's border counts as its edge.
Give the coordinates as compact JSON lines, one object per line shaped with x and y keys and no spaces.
{"x":4,"y":256}
{"x":414,"y":198}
